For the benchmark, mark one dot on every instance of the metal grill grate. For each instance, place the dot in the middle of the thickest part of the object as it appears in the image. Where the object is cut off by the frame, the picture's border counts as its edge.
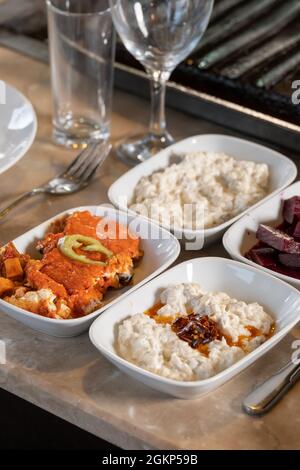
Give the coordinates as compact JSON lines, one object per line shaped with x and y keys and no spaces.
{"x":249,"y":55}
{"x":242,"y":71}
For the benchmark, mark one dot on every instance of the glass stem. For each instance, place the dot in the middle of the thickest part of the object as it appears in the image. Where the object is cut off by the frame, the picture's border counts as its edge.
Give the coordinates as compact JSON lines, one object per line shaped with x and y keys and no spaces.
{"x":158,"y":96}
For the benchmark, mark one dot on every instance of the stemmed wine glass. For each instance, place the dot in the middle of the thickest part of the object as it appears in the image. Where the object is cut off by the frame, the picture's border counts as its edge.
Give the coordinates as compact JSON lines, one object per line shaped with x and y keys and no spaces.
{"x":159,"y":34}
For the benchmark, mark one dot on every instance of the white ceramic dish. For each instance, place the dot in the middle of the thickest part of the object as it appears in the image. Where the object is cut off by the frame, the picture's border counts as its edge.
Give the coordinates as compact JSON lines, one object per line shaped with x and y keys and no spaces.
{"x":158,"y":255}
{"x":241,"y":236}
{"x":213,"y":274}
{"x":282,"y":173}
{"x":18,"y":126}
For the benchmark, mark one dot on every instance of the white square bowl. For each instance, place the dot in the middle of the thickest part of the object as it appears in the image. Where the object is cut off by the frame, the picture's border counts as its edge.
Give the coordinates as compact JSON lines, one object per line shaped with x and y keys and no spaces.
{"x":282,"y":173}
{"x":242,"y":235}
{"x":159,"y":254}
{"x":213,"y":274}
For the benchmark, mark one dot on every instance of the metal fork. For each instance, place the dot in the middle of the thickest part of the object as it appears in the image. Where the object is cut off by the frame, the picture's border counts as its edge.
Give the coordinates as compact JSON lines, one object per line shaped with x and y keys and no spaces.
{"x":75,"y":177}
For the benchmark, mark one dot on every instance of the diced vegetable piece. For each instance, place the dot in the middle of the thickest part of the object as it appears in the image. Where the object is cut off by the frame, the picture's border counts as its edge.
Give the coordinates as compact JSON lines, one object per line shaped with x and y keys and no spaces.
{"x":277,"y":239}
{"x":9,"y":251}
{"x":291,"y":209}
{"x":290,"y":260}
{"x":265,"y":257}
{"x":6,"y":286}
{"x":13,"y":268}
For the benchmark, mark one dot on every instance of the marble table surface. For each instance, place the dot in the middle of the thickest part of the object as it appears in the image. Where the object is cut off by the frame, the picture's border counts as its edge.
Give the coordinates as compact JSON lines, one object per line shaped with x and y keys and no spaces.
{"x":68,"y":377}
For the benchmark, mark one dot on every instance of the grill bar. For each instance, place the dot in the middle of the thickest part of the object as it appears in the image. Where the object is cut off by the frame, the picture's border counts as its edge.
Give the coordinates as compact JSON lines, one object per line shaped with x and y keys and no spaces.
{"x":235,"y":21}
{"x":278,"y":72}
{"x":223,"y":7}
{"x":265,"y":28}
{"x":260,"y":55}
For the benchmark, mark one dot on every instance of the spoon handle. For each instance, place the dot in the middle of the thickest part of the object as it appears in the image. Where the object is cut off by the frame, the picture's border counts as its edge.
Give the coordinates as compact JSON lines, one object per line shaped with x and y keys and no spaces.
{"x":267,"y":394}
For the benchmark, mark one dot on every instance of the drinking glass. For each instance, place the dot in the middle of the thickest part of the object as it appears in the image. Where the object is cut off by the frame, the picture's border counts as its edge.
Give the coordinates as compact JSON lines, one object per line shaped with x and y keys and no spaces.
{"x":159,"y":34}
{"x":82,"y":48}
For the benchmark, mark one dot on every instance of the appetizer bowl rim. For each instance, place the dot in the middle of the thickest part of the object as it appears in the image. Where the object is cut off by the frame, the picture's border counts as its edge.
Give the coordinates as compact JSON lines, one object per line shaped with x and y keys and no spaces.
{"x":114,"y":188}
{"x":95,"y":313}
{"x":240,"y":365}
{"x":235,"y":253}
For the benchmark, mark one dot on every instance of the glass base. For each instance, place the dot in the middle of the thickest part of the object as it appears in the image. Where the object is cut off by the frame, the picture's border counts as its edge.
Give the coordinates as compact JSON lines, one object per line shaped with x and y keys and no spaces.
{"x":138,"y":149}
{"x":79,"y":134}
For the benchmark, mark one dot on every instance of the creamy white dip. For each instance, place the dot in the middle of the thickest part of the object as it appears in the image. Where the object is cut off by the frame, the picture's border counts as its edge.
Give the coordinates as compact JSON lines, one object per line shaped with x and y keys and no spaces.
{"x":155,"y":347}
{"x":215,"y":185}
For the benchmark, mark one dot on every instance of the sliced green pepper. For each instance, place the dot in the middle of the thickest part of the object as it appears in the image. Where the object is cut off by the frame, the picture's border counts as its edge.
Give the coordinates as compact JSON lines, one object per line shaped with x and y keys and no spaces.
{"x":68,"y":243}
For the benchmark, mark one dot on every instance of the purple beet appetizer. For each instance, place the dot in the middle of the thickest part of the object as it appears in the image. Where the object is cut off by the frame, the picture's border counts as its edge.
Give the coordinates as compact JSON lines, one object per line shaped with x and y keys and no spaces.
{"x":278,"y":248}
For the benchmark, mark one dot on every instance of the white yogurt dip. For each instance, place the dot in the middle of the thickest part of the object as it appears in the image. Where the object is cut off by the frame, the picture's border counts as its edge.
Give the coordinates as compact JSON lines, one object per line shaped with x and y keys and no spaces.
{"x":155,"y":347}
{"x":214,"y":185}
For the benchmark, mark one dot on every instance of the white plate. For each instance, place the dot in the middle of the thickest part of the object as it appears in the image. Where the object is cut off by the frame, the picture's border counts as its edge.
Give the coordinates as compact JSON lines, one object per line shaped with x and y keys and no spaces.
{"x":282,"y":173}
{"x":18,"y":126}
{"x":213,"y":274}
{"x":158,"y":255}
{"x":241,"y":236}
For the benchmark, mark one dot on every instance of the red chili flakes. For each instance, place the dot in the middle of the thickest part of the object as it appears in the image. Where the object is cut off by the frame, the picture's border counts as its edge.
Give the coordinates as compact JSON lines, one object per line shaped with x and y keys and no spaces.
{"x":196,"y":330}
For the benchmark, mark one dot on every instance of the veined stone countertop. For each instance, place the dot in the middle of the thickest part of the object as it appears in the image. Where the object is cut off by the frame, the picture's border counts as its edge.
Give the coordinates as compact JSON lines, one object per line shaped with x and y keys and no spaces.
{"x":68,"y":377}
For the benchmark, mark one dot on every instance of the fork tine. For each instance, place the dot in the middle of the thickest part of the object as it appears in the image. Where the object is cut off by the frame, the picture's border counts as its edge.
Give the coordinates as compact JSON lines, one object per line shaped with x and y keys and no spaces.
{"x":90,"y":171}
{"x":76,"y":164}
{"x":90,"y":157}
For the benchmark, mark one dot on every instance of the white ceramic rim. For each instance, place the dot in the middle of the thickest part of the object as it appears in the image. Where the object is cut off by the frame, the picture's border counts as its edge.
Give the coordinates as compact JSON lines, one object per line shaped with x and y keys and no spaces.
{"x":32,"y":137}
{"x":236,"y":254}
{"x":218,"y":228}
{"x":190,"y":384}
{"x":95,"y":313}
